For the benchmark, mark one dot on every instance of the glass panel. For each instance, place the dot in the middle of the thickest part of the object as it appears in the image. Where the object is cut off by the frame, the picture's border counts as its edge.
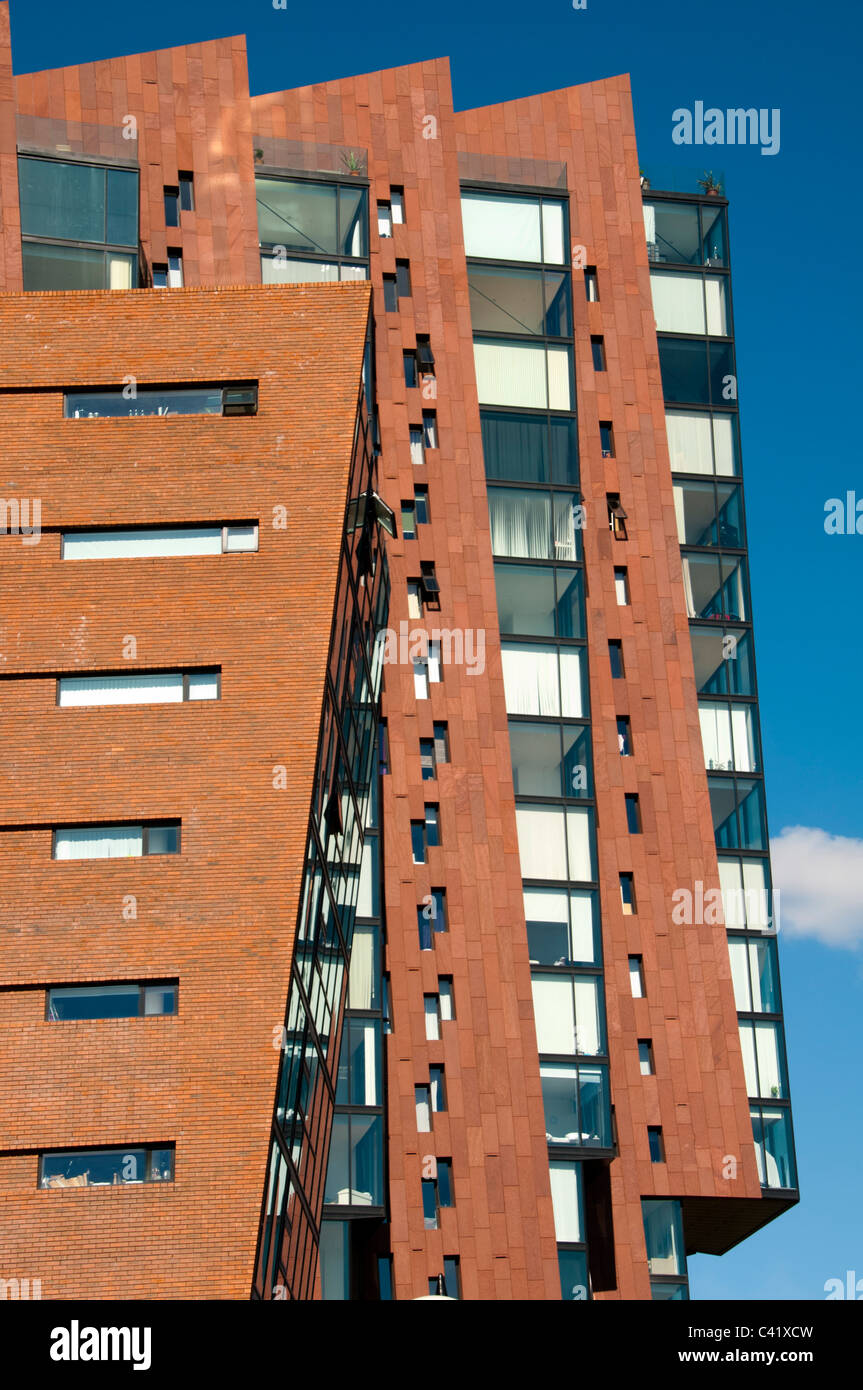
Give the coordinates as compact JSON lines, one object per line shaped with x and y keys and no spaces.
{"x":570,"y":605}
{"x":510,"y":373}
{"x":566,"y":1200}
{"x":553,"y":252}
{"x":773,"y":1148}
{"x":203,"y":685}
{"x":683,"y":363}
{"x":661,"y":1292}
{"x":672,"y":232}
{"x":515,"y":446}
{"x":722,"y":379}
{"x":559,"y":377}
{"x":163,"y":839}
{"x":526,"y":599}
{"x":99,"y":842}
{"x":423,"y":1109}
{"x":521,"y":523}
{"x":745,"y":893}
{"x":106,"y":1167}
{"x":678,"y":301}
{"x":568,"y":1014}
{"x":729,"y":737}
{"x":120,"y":690}
{"x":715,"y":586}
{"x":562,"y":927}
{"x":499,"y":227}
{"x":663,"y":1235}
{"x":713,"y":240}
{"x":573,"y":1275}
{"x":738,"y":813}
{"x":542,"y":841}
{"x":576,"y":1104}
{"x":49,"y":267}
{"x":537,"y":766}
{"x":335,"y":1264}
{"x":123,"y":544}
{"x":723,"y":661}
{"x":353,"y":217}
{"x":94,"y":1001}
{"x":504,"y":300}
{"x":61,"y":200}
{"x":716,"y":297}
{"x":122,"y":218}
{"x":202,"y":400}
{"x":159,"y":1000}
{"x":558,"y":302}
{"x":564,"y":450}
{"x":298,"y":216}
{"x":277,"y":271}
{"x":708,"y":514}
{"x":690,"y":441}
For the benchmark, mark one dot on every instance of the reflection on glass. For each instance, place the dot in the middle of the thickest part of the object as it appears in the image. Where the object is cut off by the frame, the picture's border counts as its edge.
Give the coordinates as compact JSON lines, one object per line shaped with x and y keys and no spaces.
{"x":754,"y":974}
{"x":773,"y":1148}
{"x":708,"y":514}
{"x":723,"y":661}
{"x":562,"y":926}
{"x":739,"y":820}
{"x":576,"y":1104}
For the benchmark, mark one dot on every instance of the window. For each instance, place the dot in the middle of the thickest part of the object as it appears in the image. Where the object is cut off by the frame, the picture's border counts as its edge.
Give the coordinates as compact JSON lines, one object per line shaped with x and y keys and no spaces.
{"x":636,"y":977}
{"x":685,"y":233}
{"x":432,"y":824}
{"x":616,"y":516}
{"x":739,"y":817}
{"x":597,"y":347}
{"x":106,"y":1167}
{"x":430,"y":440}
{"x":556,"y":842}
{"x":427,"y":759}
{"x":355,"y":1168}
{"x":663,"y":1236}
{"x":774,"y":1149}
{"x":533,"y":525}
{"x":715,"y":586}
{"x":709,"y":513}
{"x":655,"y":1143}
{"x":568,"y":1011}
{"x":437,"y":1088}
{"x":163,"y":400}
{"x":764,"y":1059}
{"x":93,"y":209}
{"x":422,"y":1099}
{"x":562,"y":926}
{"x":697,"y":371}
{"x":148,"y":1000}
{"x":166,"y":687}
{"x":566,"y":1198}
{"x":645,"y":1057}
{"x":624,"y":736}
{"x":409,"y":519}
{"x":432,"y":1011}
{"x":576,"y":1102}
{"x":633,"y":813}
{"x":429,"y":585}
{"x":532,"y":375}
{"x":746,"y":894}
{"x":723,"y":660}
{"x":153,"y":542}
{"x":543,"y":679}
{"x":427,"y":671}
{"x":403,"y":279}
{"x":415,"y":599}
{"x":311,"y":218}
{"x":424,"y":354}
{"x":116,"y":841}
{"x":359,"y":1073}
{"x":437,"y":1192}
{"x":385,"y":220}
{"x":385,"y":1278}
{"x":730,"y":736}
{"x":574,"y":1281}
{"x":433,"y":751}
{"x":690,"y":303}
{"x":621,"y":586}
{"x":451,"y":1279}
{"x":278,"y":269}
{"x":425,"y":833}
{"x":421,"y":505}
{"x":702,"y":442}
{"x":169,"y":274}
{"x":172,"y":207}
{"x":441,"y":742}
{"x":550,"y":759}
{"x":391,"y":294}
{"x":446,"y":997}
{"x":513,"y":228}
{"x":529,"y":448}
{"x":606,"y":439}
{"x":187,"y":192}
{"x":755,"y":974}
{"x":591,"y":284}
{"x":506,"y":300}
{"x":431,"y":917}
{"x":411,"y":370}
{"x":397,"y":203}
{"x":615,"y":659}
{"x":383,"y":748}
{"x":627,"y":894}
{"x":417,"y":443}
{"x":536,"y":601}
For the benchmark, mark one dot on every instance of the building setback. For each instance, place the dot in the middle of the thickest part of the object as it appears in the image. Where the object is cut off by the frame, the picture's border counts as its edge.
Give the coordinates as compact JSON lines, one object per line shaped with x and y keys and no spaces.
{"x":553,"y":1070}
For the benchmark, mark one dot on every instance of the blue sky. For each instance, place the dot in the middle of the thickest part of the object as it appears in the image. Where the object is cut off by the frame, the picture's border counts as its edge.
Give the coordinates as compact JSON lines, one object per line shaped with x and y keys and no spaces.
{"x":799,"y":361}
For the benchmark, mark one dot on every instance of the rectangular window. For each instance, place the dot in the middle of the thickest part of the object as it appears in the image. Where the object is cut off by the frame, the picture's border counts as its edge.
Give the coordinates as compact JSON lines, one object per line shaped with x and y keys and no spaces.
{"x":169,"y":274}
{"x":239,"y":399}
{"x":151,"y":542}
{"x":690,"y":303}
{"x":615,"y":659}
{"x":57,"y":267}
{"x":616,"y":516}
{"x":409,"y":360}
{"x":702,"y":442}
{"x":513,"y":228}
{"x":663,"y":1236}
{"x":536,"y":601}
{"x":729,"y":736}
{"x":187,"y":192}
{"x":556,"y":842}
{"x":506,"y":300}
{"x":562,"y":926}
{"x":415,"y":603}
{"x":63,"y":201}
{"x":148,"y":1000}
{"x":422,"y":1099}
{"x":636,"y":977}
{"x":774,"y":1149}
{"x":421,"y":505}
{"x":754,"y":973}
{"x":427,"y":671}
{"x":437,"y":1088}
{"x":385,"y":220}
{"x":172,"y":207}
{"x":106,"y":1167}
{"x":627,"y":894}
{"x":419,"y":844}
{"x":417,"y":444}
{"x":606,"y":439}
{"x":576,"y":1102}
{"x":432,"y":1011}
{"x":430,"y":440}
{"x":441,"y":742}
{"x":446,"y":997}
{"x":397,"y":203}
{"x":544,"y":680}
{"x":569,"y":1014}
{"x":645,"y":1057}
{"x":621,"y":586}
{"x":655,"y":1144}
{"x":383,"y":748}
{"x":633,"y":813}
{"x":391,"y":294}
{"x":425,"y":356}
{"x":591,"y":284}
{"x":597,"y":347}
{"x":403,"y":279}
{"x":532,"y":375}
{"x":449,"y":1284}
{"x":116,"y":841}
{"x":532,"y":525}
{"x":409,"y":520}
{"x":764,"y":1059}
{"x":385,"y":1278}
{"x":312,"y":218}
{"x":525,"y":448}
{"x":567,"y":1201}
{"x":427,"y":759}
{"x":624,"y":736}
{"x":446,"y":1194}
{"x":430,"y":1203}
{"x":432,"y":824}
{"x":550,"y":760}
{"x":151,"y":688}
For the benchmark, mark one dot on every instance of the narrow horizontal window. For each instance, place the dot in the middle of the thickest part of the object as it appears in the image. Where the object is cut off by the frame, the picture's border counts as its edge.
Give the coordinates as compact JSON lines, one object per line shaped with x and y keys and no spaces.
{"x":148,"y":1000}
{"x":158,"y":543}
{"x":107,"y":1167}
{"x":145,"y":688}
{"x":120,"y":402}
{"x":117,"y":841}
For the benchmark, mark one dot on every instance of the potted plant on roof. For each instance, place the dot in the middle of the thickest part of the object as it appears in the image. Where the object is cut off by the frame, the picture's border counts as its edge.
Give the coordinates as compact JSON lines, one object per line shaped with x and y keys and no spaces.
{"x":711,"y":185}
{"x":645,"y":181}
{"x":352,"y":161}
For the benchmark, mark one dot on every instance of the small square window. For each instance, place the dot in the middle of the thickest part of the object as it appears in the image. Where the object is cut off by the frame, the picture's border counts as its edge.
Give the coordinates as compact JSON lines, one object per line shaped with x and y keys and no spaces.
{"x":403,"y":279}
{"x":633,"y":813}
{"x":597,"y":347}
{"x":591,"y":284}
{"x":239,"y":538}
{"x":624,"y":736}
{"x":654,"y":1140}
{"x":615,"y":658}
{"x":606,"y":439}
{"x":636,"y":977}
{"x":645,"y":1057}
{"x":627,"y":894}
{"x":391,"y":294}
{"x":621,"y":586}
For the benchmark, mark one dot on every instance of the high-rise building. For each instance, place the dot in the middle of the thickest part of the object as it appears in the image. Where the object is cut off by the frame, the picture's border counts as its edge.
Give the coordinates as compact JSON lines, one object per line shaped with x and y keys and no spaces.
{"x":428,"y":945}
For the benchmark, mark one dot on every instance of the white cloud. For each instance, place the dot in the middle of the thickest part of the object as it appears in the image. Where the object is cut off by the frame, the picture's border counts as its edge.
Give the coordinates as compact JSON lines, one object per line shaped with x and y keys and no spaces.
{"x":820,"y":880}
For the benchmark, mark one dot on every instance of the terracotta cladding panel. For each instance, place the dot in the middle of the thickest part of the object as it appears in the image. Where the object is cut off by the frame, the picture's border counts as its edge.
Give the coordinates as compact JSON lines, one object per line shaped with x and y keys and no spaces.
{"x":689,"y":1010}
{"x":220,"y":917}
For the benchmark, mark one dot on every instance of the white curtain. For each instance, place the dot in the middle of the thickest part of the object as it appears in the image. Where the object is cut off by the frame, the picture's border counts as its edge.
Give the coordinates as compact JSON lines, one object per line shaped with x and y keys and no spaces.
{"x":679,"y":513}
{"x":545,"y":904}
{"x":756,"y":894}
{"x":432,"y":1017}
{"x":423,"y":1109}
{"x":445,"y":1000}
{"x":687,"y":588}
{"x":565,"y":1200}
{"x":552,"y":233}
{"x":564,"y":527}
{"x":717,"y":315}
{"x":716,"y":736}
{"x":571,"y":680}
{"x":521,"y":523}
{"x":743,"y":738}
{"x":151,"y":544}
{"x":689,"y":441}
{"x":120,"y":690}
{"x":500,"y":228}
{"x":723,"y":441}
{"x":739,"y":973}
{"x":397,"y":205}
{"x":620,"y":589}
{"x":559,"y":373}
{"x":580,"y":851}
{"x":531,"y":679}
{"x":587,"y":1017}
{"x":581,"y":907}
{"x":554,"y":1011}
{"x":649,"y":223}
{"x":421,"y":679}
{"x":434,"y":662}
{"x":99,"y":842}
{"x":541,"y":841}
{"x":241,"y":538}
{"x":417,"y":451}
{"x":661,"y":1233}
{"x":385,"y":220}
{"x":511,"y":374}
{"x":678,"y":301}
{"x":366,"y":900}
{"x":119,"y":272}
